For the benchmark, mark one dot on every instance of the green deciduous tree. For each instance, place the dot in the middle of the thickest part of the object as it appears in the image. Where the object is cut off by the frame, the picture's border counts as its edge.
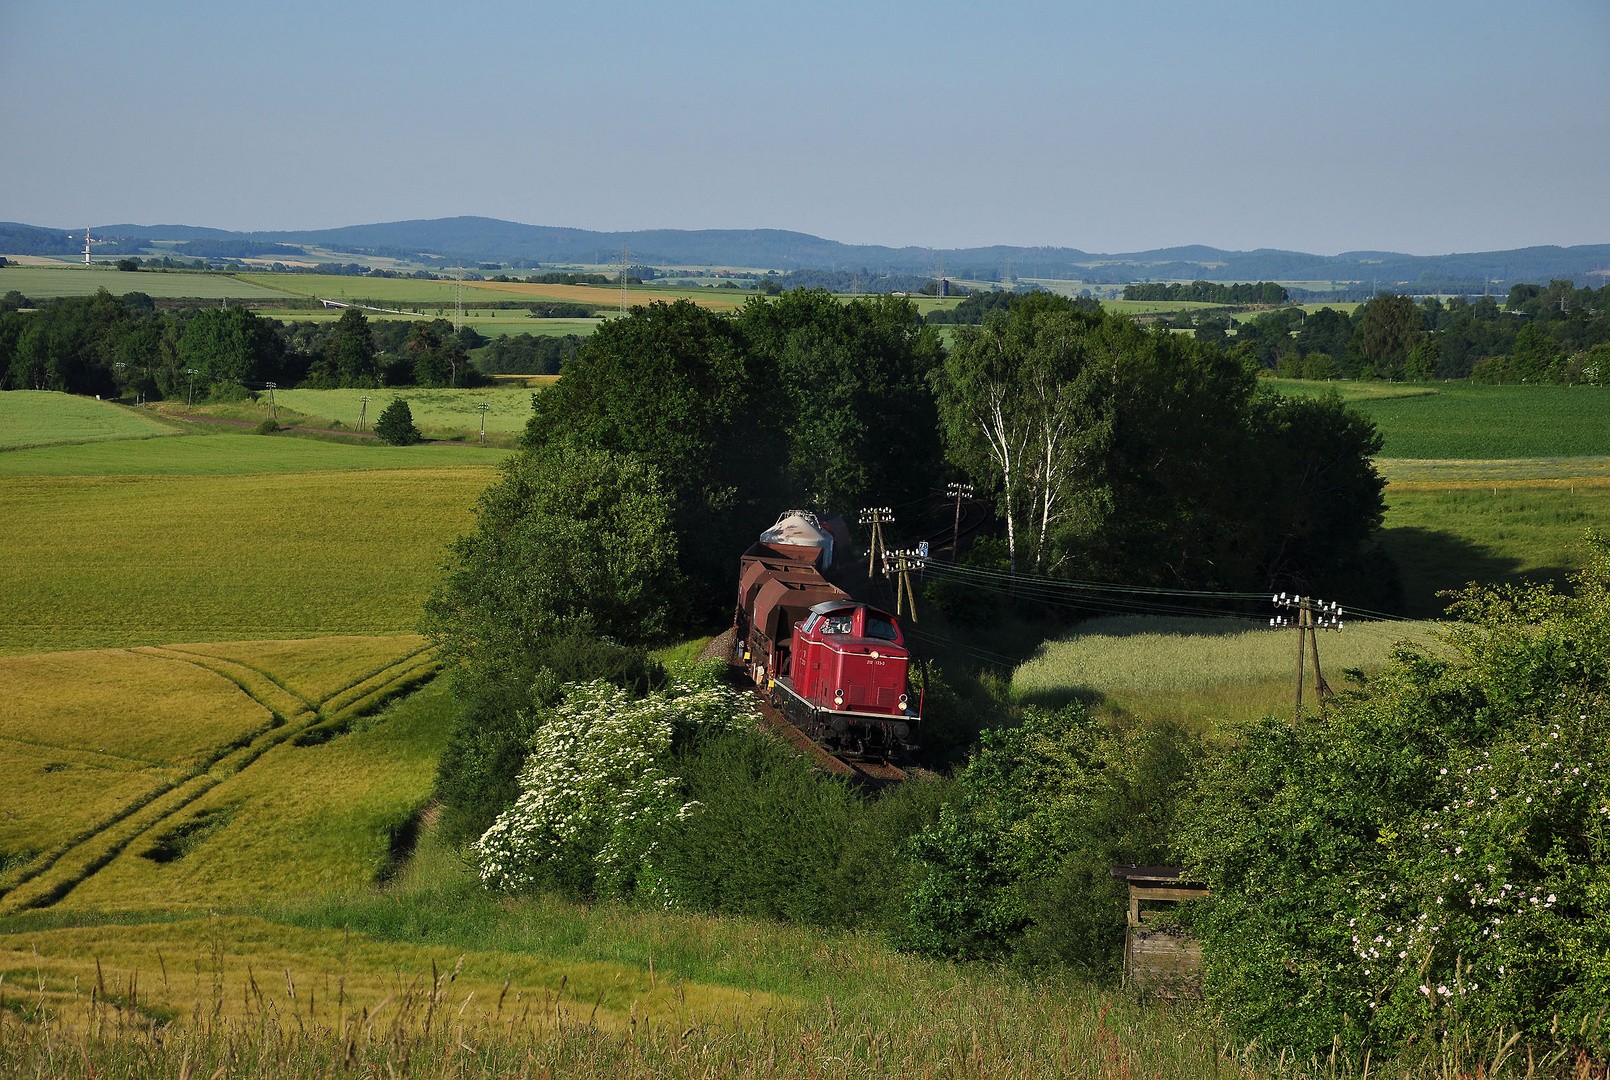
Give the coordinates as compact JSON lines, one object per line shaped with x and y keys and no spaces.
{"x":859,"y":414}
{"x":348,"y":357}
{"x":230,"y":345}
{"x":671,"y":385}
{"x":569,"y":539}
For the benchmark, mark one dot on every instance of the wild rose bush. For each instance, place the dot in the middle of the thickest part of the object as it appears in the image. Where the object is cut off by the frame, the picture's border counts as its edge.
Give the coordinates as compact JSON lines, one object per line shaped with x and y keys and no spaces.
{"x":1435,"y":854}
{"x":595,"y":790}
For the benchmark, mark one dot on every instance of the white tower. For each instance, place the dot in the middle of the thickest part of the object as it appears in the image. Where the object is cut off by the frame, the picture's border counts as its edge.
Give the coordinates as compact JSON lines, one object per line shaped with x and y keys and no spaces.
{"x":86,"y":245}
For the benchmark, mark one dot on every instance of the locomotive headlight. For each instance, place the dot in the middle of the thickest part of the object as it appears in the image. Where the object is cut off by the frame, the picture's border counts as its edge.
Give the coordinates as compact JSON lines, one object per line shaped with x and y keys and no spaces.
{"x":838,"y":697}
{"x":903,"y":700}
{"x":874,"y":654}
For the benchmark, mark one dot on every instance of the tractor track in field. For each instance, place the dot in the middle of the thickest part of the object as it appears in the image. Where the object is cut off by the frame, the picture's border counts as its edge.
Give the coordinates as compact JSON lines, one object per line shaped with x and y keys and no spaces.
{"x":33,"y":885}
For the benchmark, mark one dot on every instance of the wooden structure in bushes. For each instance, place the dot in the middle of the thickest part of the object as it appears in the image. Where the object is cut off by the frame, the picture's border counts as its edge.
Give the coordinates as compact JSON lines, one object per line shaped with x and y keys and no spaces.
{"x":1160,"y":960}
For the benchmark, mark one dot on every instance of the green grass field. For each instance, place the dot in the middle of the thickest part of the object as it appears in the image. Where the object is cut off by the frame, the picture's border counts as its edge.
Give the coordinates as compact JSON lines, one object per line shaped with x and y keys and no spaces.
{"x":1445,"y":535}
{"x":1199,"y":671}
{"x":46,"y":282}
{"x":41,"y":417}
{"x":440,"y":414}
{"x":1468,"y":421}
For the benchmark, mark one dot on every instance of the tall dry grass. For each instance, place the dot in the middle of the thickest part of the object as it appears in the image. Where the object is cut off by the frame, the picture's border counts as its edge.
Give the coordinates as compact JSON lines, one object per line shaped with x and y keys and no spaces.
{"x":1197,"y":668}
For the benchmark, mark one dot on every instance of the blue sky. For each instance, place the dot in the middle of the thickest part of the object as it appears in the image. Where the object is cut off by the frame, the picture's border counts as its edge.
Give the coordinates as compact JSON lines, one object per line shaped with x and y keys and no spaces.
{"x":1415,"y":126}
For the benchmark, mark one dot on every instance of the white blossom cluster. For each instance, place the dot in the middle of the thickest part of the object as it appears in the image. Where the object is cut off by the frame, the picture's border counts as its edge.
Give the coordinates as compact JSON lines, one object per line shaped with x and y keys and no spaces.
{"x":594,"y":787}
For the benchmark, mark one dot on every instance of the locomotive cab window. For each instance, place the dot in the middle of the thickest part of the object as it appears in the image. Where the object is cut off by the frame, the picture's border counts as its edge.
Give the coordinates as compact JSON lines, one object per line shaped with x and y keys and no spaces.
{"x":879,"y":626}
{"x":810,"y":623}
{"x":838,"y":622}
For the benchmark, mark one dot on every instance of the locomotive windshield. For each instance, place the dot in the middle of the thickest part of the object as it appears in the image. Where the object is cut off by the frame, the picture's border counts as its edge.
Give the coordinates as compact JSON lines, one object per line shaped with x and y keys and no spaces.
{"x":838,"y":622}
{"x":879,"y":627}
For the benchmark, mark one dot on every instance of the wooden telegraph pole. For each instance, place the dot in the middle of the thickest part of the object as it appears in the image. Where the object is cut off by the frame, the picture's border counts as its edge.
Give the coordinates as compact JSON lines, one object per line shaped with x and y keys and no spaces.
{"x":1310,"y":616}
{"x":900,"y":565}
{"x":877,"y":517}
{"x":363,"y":411}
{"x":482,"y":406}
{"x":957,"y":492}
{"x":273,"y":409}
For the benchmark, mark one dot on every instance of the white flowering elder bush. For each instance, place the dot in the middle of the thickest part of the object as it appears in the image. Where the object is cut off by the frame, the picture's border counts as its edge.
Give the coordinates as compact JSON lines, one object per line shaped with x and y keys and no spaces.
{"x":595,"y":792}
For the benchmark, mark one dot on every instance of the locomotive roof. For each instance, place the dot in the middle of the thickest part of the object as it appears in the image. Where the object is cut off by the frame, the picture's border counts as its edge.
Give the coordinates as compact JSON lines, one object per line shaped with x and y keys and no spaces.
{"x":840,"y":605}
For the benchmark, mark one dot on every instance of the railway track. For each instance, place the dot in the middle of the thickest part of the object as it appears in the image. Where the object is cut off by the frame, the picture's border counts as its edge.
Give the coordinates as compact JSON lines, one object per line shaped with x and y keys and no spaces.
{"x":871,"y":774}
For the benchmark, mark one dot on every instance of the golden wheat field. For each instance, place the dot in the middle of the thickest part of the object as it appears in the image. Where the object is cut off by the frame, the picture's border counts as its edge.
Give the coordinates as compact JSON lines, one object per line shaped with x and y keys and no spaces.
{"x":196,"y":775}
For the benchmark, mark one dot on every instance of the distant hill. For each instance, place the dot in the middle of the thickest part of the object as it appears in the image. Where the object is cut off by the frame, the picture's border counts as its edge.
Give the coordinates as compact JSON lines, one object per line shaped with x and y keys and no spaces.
{"x":479,"y":239}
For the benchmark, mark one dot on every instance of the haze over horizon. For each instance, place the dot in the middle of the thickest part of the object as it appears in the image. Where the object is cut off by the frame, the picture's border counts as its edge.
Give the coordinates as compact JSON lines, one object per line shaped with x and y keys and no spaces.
{"x":1422,"y":129}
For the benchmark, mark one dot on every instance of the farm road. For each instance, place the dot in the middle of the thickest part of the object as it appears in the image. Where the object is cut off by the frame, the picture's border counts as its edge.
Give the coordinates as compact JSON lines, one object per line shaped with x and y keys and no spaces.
{"x":53,"y":874}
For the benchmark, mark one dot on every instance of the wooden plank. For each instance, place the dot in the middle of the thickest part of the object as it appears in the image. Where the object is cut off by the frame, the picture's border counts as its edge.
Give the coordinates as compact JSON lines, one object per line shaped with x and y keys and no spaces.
{"x":1188,"y":892}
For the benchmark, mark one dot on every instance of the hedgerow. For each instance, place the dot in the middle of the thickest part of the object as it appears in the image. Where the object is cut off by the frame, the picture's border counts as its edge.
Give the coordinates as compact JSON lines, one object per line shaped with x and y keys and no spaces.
{"x":1432,"y":856}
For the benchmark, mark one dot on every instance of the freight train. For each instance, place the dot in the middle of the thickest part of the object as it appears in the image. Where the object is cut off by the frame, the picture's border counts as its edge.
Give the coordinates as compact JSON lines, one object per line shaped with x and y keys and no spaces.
{"x":836,"y":668}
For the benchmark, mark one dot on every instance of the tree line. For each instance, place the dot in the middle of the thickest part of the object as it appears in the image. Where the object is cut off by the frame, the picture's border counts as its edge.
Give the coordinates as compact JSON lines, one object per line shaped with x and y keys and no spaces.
{"x":1554,"y":334}
{"x":1210,"y":292}
{"x":126,"y":346}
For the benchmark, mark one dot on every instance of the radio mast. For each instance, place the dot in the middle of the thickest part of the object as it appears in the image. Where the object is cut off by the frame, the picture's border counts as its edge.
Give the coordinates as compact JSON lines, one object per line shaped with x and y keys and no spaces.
{"x":623,"y":279}
{"x":86,"y":245}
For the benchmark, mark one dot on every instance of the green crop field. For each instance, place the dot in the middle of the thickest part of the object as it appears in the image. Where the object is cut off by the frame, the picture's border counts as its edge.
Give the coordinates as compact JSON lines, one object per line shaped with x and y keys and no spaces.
{"x":45,"y":282}
{"x":40,"y":417}
{"x":487,"y":322}
{"x":125,"y":762}
{"x":230,"y":452}
{"x":1445,"y":535}
{"x":123,"y":560}
{"x":1469,"y":421}
{"x":1200,"y":671}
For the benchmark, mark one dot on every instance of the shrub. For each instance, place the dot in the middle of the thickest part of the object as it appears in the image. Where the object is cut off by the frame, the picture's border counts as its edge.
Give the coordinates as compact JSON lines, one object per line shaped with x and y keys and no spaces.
{"x":763,"y":832}
{"x":1431,"y":855}
{"x":1017,"y":865}
{"x":268,"y":427}
{"x":475,"y":777}
{"x":396,"y":424}
{"x":595,"y":792}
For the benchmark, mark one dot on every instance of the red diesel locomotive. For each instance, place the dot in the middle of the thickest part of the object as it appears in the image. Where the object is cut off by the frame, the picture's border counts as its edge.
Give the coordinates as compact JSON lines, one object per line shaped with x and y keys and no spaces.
{"x":835,"y":667}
